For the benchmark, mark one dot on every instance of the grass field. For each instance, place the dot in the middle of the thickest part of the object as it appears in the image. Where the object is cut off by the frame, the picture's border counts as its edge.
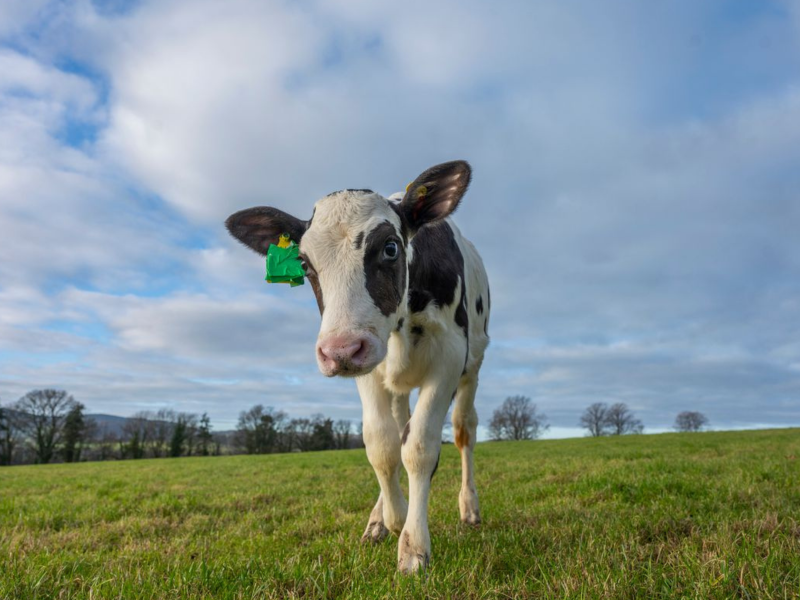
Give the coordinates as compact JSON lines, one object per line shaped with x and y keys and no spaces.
{"x":711,"y":515}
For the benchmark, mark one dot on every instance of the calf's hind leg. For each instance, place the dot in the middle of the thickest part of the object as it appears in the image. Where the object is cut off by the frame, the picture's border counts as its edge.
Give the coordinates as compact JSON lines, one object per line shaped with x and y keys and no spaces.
{"x":465,"y":426}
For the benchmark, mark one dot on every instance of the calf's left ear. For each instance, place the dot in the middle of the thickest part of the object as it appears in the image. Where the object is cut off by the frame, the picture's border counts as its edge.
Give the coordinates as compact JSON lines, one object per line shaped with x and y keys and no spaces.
{"x":261,"y":226}
{"x":436,"y":193}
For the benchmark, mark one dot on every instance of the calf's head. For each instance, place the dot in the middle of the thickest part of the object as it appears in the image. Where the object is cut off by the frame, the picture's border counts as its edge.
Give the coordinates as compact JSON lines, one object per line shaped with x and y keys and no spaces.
{"x":356,"y":253}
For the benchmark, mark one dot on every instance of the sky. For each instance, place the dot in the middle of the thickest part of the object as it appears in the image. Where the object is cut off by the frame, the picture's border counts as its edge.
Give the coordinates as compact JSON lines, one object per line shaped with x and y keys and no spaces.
{"x":635,"y":195}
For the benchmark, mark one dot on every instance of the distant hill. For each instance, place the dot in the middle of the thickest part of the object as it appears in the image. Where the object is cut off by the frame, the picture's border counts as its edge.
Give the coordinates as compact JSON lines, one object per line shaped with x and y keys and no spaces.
{"x":110,"y":423}
{"x":114,"y":424}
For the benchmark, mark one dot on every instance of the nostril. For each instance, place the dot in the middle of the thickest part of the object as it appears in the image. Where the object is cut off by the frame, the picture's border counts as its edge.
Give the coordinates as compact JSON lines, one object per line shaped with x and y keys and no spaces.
{"x":323,"y":355}
{"x":361,"y":353}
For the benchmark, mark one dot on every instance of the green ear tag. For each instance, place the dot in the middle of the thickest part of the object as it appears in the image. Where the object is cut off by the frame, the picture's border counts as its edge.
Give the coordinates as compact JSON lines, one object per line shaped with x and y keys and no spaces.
{"x":283,"y":263}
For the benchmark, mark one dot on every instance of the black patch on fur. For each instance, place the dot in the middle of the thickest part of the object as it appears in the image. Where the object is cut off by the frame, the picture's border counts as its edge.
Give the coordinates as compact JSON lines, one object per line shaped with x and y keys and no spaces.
{"x":400,"y":324}
{"x":462,"y":320}
{"x":461,"y":316}
{"x":313,"y":212}
{"x":436,"y":466}
{"x":479,"y":305}
{"x":385,"y":279}
{"x":436,"y":269}
{"x":406,"y":431}
{"x":311,"y":275}
{"x":359,"y":240}
{"x":351,"y":190}
{"x":395,"y":206}
{"x":417,"y":333}
{"x":312,"y":279}
{"x":488,"y":310}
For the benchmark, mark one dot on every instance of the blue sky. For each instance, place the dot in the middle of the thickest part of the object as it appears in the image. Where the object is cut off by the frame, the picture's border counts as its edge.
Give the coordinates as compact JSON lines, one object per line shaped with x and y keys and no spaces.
{"x":636,"y":194}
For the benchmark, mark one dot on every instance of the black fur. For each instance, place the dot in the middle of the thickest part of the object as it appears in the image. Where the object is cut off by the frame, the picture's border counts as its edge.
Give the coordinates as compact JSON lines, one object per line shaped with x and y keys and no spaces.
{"x":461,"y":316}
{"x":359,"y":240}
{"x":312,"y":279}
{"x":400,"y":324}
{"x":385,"y":279}
{"x":311,"y":275}
{"x":395,"y":206}
{"x":489,"y":307}
{"x":261,"y":226}
{"x":479,"y":305}
{"x":437,"y":268}
{"x":436,"y":193}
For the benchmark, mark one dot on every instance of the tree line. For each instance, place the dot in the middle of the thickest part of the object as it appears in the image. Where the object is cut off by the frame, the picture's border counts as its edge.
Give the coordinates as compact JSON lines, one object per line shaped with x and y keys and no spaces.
{"x":51,"y":426}
{"x":518,"y":418}
{"x":46,"y":426}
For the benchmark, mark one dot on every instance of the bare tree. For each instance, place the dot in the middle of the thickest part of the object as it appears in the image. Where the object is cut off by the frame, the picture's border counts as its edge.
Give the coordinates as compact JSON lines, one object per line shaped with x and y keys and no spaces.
{"x":303,"y":430}
{"x":342,"y":430}
{"x":260,"y":431}
{"x":517,"y":419}
{"x":594,"y":419}
{"x":161,"y":425}
{"x":135,"y":436}
{"x":620,"y":420}
{"x":690,"y":421}
{"x":189,"y":422}
{"x":8,"y":436}
{"x":41,"y":418}
{"x":105,"y":443}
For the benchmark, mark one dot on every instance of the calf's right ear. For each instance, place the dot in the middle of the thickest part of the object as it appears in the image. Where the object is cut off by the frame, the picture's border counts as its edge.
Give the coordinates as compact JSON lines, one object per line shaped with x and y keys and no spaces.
{"x":260,"y":226}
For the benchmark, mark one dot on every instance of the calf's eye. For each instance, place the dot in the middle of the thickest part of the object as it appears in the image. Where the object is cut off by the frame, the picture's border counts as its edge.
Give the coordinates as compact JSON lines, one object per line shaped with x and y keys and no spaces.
{"x":390,"y":250}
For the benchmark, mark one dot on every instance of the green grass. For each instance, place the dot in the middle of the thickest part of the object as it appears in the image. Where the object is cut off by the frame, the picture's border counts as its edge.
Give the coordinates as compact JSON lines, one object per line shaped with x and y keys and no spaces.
{"x":712,"y":515}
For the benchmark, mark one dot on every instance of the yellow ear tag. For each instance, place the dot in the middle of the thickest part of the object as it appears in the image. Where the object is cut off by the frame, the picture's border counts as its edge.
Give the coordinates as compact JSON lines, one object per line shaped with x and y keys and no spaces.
{"x":421,"y":191}
{"x":284,"y":241}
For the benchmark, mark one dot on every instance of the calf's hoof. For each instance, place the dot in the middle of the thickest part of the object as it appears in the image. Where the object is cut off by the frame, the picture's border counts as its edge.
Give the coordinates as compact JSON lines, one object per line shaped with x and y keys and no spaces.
{"x":468,"y":507}
{"x":471,"y":519}
{"x":411,"y":558}
{"x":375,"y":532}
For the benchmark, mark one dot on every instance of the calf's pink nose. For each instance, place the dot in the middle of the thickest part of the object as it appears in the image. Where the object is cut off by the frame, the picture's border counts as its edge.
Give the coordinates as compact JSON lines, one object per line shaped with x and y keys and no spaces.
{"x":343,"y":353}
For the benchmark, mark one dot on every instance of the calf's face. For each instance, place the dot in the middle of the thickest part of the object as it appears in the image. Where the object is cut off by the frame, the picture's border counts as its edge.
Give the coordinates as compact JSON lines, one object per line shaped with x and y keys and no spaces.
{"x":356,"y":254}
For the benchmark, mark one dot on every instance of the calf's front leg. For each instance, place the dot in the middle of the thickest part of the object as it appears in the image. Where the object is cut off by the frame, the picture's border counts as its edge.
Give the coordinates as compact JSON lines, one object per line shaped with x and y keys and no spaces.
{"x":421,"y":444}
{"x":382,"y":440}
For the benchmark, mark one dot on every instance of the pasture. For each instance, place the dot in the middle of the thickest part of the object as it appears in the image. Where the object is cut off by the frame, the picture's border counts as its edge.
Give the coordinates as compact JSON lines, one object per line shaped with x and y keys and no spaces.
{"x":710,"y":515}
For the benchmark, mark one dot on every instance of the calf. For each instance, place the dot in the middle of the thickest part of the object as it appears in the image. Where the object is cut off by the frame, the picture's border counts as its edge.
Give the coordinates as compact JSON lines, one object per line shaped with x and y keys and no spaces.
{"x":404,"y":300}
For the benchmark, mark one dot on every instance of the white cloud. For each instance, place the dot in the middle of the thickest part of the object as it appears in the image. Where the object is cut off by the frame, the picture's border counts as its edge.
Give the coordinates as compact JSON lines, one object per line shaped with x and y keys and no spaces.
{"x":639,"y":234}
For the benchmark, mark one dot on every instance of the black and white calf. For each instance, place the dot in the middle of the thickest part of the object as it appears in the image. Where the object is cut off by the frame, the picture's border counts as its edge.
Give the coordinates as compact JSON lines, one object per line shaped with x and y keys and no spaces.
{"x":404,"y":300}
